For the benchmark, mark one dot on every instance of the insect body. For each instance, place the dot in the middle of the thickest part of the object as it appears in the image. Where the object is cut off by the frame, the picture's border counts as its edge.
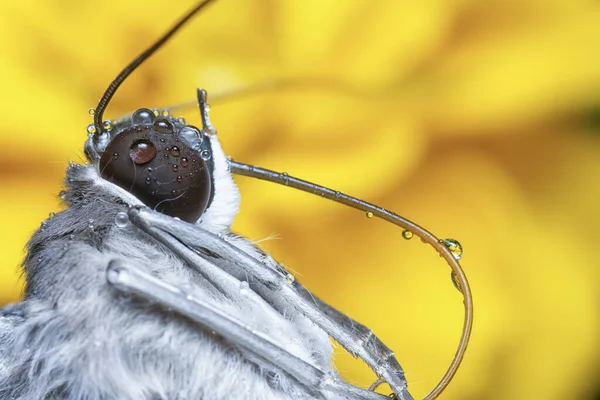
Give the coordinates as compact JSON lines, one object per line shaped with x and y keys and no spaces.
{"x":139,"y":290}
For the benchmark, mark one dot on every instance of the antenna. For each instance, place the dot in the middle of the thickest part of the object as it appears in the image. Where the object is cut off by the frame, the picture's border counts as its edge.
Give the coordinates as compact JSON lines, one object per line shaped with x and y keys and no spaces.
{"x":112,"y":88}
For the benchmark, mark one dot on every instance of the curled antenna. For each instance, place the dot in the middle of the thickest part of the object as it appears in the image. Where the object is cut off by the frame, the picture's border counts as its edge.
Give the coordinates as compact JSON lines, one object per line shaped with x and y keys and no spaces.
{"x":374,"y":211}
{"x":112,"y":88}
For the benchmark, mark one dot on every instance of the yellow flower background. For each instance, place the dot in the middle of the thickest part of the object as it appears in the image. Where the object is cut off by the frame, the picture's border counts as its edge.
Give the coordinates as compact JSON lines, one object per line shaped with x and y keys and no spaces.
{"x":474,"y":119}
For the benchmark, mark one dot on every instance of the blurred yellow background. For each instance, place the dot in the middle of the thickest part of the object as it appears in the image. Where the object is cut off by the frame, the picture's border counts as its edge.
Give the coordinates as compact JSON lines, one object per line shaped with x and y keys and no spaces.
{"x":479,"y":120}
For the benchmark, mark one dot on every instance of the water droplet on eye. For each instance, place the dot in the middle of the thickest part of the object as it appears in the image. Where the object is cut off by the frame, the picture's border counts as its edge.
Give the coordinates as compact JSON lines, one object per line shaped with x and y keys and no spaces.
{"x":455,"y":281}
{"x":91,"y":128}
{"x":370,"y":214}
{"x":107,"y":125}
{"x":406,"y":234}
{"x":92,"y":111}
{"x":156,"y":112}
{"x":454,"y":246}
{"x":162,"y":126}
{"x":184,"y":162}
{"x":181,"y":120}
{"x":175,"y":167}
{"x":179,"y":178}
{"x":191,"y":137}
{"x":290,"y":278}
{"x":51,"y":215}
{"x":205,"y":154}
{"x":142,"y":151}
{"x":143,"y":116}
{"x":121,"y":219}
{"x":244,"y":286}
{"x":166,"y":113}
{"x":175,"y":151}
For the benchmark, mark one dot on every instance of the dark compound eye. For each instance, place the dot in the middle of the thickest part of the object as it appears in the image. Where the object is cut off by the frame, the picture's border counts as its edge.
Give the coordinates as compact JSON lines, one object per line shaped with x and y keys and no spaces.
{"x":159,"y":169}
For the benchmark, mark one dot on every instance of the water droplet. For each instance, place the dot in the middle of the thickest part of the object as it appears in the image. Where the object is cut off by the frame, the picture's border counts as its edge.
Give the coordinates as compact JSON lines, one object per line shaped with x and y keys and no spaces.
{"x":207,"y":107}
{"x":148,"y":181}
{"x":156,"y":112}
{"x":62,"y":194}
{"x":211,"y":131}
{"x":107,"y":125}
{"x":174,"y":192}
{"x":71,"y":237}
{"x":286,"y":178}
{"x":121,"y":219}
{"x":179,"y":178}
{"x":177,"y":218}
{"x":91,"y":128}
{"x":191,"y":137}
{"x":455,"y":281}
{"x":91,"y":224}
{"x":184,"y":162}
{"x":115,"y":156}
{"x":150,"y":169}
{"x":205,"y":154}
{"x":455,"y":247}
{"x":92,"y":111}
{"x":175,"y":151}
{"x":143,"y":116}
{"x":51,"y":215}
{"x":162,"y":126}
{"x":43,"y":225}
{"x":406,"y":234}
{"x":166,"y":113}
{"x":290,"y":278}
{"x":244,"y":286}
{"x":175,"y":167}
{"x":181,"y":120}
{"x":370,"y":214}
{"x":142,"y":151}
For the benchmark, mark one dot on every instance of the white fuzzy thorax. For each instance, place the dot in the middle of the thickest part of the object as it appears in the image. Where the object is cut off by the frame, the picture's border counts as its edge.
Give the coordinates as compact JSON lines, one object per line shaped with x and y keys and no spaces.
{"x":75,"y":337}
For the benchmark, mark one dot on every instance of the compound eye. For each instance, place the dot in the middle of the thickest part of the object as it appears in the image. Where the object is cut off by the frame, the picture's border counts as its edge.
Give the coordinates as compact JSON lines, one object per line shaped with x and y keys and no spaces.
{"x":158,"y":168}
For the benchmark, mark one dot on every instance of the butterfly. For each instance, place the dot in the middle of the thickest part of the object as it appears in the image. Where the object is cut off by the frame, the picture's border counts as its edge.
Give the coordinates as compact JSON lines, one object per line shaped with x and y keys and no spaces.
{"x":140,"y":290}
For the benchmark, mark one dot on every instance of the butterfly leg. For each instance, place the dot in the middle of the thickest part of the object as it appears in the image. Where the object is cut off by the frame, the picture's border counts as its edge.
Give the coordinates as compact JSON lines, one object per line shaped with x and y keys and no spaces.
{"x":131,"y":280}
{"x":272,"y":283}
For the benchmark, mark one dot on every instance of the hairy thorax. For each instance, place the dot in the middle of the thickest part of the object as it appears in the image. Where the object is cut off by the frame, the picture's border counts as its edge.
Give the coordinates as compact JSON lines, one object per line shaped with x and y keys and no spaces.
{"x":76,"y":338}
